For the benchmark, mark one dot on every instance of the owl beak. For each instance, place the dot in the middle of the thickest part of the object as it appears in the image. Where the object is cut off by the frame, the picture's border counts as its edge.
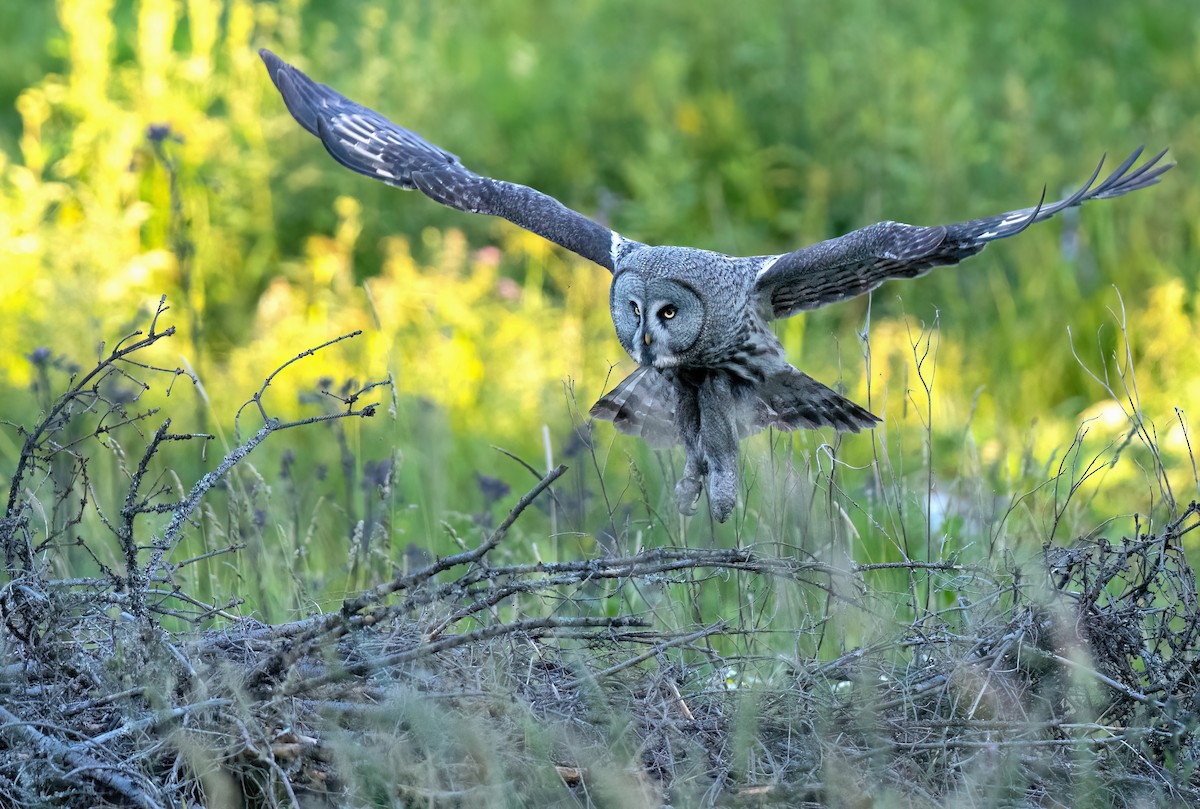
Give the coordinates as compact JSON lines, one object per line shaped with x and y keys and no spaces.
{"x":645,"y":356}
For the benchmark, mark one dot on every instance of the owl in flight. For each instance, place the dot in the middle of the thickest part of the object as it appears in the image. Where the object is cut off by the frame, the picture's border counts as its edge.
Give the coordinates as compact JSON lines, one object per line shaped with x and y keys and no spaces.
{"x":710,"y":370}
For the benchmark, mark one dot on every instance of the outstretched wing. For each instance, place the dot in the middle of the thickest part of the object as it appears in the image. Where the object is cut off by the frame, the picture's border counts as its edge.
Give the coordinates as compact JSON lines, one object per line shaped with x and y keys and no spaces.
{"x":856,"y":263}
{"x":364,"y":141}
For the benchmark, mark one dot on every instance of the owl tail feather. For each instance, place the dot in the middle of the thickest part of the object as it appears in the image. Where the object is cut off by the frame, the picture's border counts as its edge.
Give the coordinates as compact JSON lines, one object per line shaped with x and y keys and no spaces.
{"x":790,"y":399}
{"x":643,"y":404}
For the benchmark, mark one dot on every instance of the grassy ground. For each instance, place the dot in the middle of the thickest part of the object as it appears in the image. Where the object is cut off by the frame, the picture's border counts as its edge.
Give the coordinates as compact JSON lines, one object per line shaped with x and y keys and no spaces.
{"x":649,"y":669}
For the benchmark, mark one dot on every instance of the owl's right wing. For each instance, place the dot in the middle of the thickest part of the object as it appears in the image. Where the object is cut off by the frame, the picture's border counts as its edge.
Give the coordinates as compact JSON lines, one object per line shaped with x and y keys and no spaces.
{"x":364,"y":141}
{"x":854,"y":264}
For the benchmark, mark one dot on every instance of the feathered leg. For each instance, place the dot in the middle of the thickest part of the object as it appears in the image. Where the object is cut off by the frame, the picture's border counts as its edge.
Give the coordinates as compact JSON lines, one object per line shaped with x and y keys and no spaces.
{"x":687,"y":415}
{"x":718,"y":434}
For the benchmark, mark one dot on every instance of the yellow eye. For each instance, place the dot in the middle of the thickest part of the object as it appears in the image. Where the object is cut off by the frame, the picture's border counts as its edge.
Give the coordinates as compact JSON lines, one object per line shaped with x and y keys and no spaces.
{"x":636,"y":310}
{"x":667,"y":312}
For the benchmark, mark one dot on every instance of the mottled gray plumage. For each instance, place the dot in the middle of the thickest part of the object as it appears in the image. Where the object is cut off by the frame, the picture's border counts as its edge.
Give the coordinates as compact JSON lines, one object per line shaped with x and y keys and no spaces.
{"x":710,"y":370}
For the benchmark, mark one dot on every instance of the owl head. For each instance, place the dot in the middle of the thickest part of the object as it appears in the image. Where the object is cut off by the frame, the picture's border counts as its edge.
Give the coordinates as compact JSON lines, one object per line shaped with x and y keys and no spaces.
{"x":657,"y":307}
{"x":679,"y":307}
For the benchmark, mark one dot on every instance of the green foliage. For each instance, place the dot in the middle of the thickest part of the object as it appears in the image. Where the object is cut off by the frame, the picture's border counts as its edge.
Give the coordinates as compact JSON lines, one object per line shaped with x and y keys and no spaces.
{"x":749,"y":128}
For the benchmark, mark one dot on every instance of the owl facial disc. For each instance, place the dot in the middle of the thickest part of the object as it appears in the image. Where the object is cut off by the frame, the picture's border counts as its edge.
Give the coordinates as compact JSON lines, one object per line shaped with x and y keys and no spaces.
{"x":657,"y":319}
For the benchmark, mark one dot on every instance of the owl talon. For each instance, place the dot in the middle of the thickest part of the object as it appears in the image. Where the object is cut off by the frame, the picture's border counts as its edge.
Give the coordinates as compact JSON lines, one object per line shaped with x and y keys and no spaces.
{"x":720,"y":508}
{"x":687,"y":494}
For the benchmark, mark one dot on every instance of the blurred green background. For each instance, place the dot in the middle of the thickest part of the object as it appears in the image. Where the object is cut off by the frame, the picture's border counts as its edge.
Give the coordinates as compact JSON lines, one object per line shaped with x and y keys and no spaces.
{"x":749,"y":128}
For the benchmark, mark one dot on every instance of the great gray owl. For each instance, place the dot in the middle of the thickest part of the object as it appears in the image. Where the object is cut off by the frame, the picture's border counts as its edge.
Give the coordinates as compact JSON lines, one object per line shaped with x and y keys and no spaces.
{"x":698,"y":323}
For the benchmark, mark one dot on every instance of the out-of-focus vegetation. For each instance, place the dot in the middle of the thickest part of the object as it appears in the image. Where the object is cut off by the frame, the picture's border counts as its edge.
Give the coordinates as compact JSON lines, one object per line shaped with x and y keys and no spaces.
{"x":748,"y":128}
{"x":894,"y":641}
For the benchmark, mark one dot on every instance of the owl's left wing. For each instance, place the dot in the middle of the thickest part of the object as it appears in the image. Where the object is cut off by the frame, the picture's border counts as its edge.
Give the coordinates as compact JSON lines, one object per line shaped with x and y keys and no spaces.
{"x":856,"y":263}
{"x":364,"y":141}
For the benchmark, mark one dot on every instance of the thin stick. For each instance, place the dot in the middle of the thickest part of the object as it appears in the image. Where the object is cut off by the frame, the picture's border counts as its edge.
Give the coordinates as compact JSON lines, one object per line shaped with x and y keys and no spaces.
{"x":654,"y":651}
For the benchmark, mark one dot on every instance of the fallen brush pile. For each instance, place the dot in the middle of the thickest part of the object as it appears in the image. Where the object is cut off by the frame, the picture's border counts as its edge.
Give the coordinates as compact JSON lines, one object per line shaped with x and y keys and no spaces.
{"x":1074,"y":680}
{"x":410,"y":695}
